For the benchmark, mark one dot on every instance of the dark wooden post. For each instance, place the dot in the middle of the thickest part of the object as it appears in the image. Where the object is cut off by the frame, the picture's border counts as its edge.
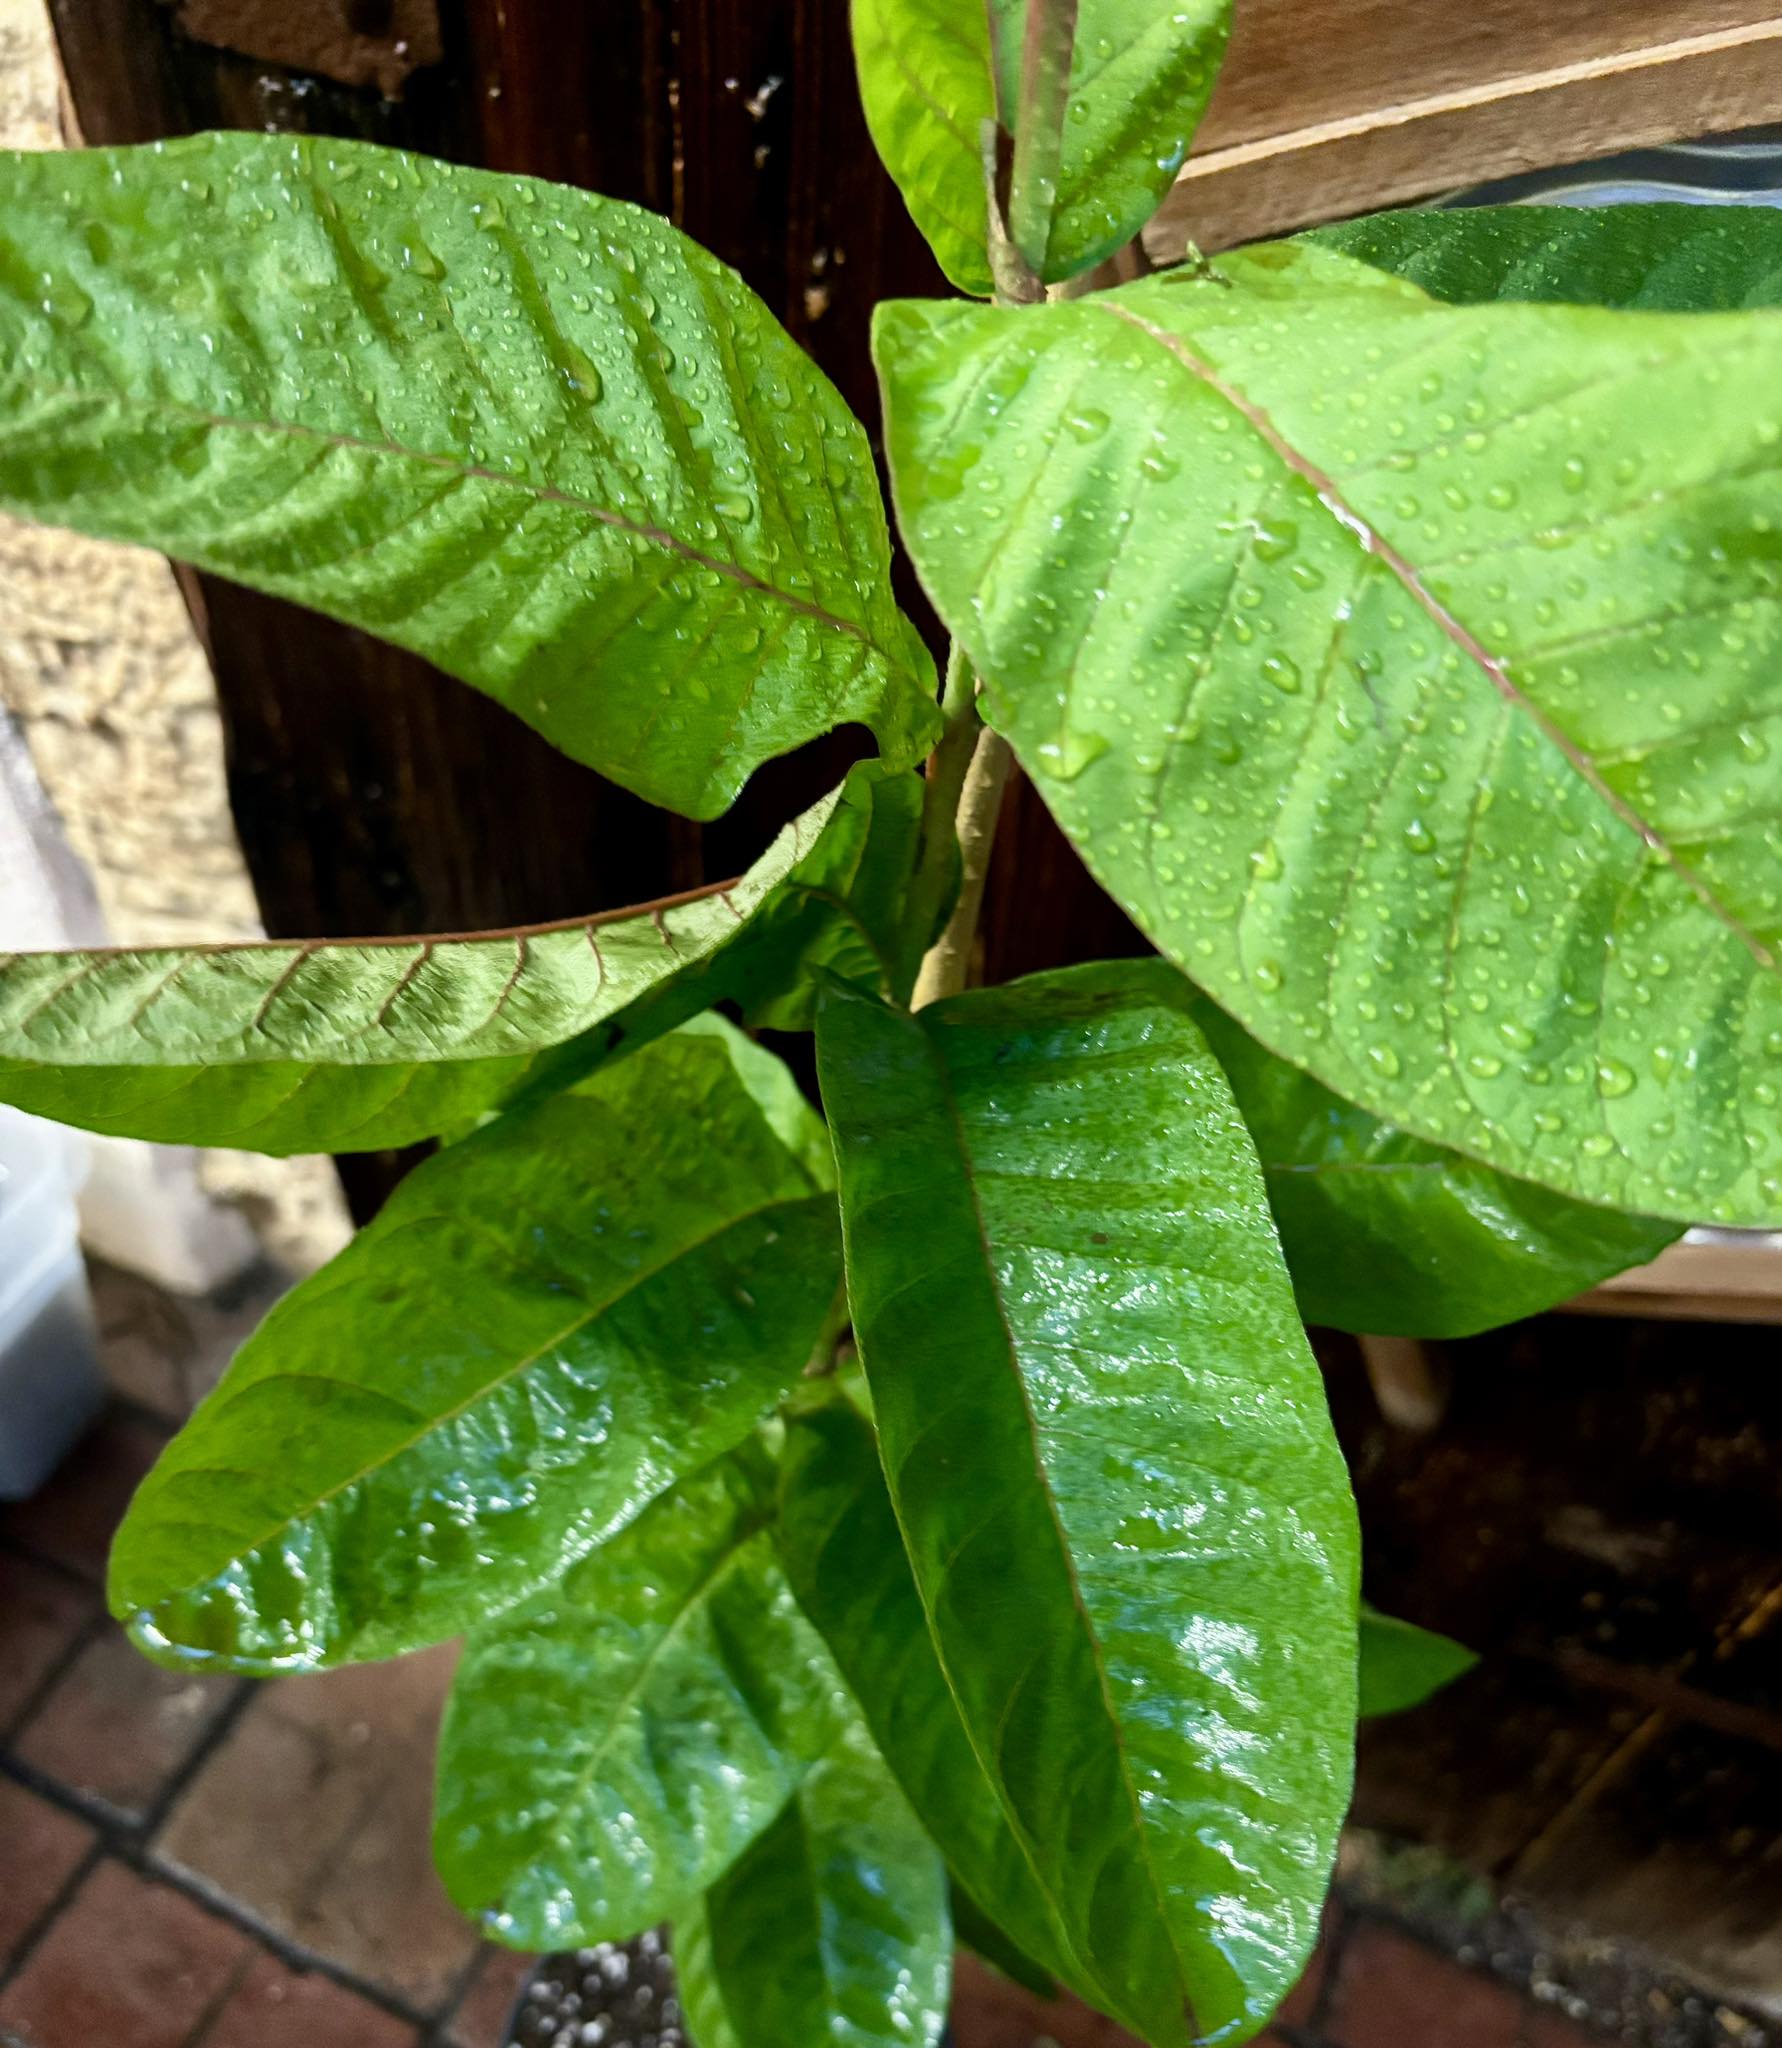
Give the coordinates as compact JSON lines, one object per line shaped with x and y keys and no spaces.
{"x":372,"y":795}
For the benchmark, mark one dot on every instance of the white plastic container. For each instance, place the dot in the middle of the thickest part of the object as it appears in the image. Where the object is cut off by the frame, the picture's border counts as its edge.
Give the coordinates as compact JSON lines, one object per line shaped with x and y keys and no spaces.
{"x":50,"y":1382}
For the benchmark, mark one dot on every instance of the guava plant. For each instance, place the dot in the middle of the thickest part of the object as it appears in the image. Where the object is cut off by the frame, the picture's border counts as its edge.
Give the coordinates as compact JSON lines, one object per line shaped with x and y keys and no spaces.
{"x":925,"y":1516}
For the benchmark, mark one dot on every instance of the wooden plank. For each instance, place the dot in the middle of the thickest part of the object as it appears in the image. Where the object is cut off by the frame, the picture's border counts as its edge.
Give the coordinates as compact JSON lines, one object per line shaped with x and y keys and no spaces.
{"x":372,"y":794}
{"x":1297,"y":64}
{"x":1713,"y":1276}
{"x":1412,"y":148}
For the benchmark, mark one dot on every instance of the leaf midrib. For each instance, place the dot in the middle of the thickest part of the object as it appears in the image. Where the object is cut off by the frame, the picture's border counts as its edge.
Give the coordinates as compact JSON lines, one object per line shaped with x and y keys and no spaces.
{"x":489,"y":1388}
{"x":204,"y":1057}
{"x":1452,"y":628}
{"x":1140,"y":1829}
{"x":548,"y":494}
{"x":751,"y":1526}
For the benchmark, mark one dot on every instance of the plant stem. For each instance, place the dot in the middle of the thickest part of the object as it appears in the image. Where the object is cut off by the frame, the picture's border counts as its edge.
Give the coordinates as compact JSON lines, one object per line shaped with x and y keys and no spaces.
{"x":936,"y":858}
{"x":1016,"y":283}
{"x":966,"y":778}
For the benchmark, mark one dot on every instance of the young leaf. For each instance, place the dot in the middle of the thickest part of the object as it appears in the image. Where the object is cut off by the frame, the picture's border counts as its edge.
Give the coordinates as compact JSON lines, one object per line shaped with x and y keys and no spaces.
{"x":1409,"y":673}
{"x":1108,"y":1450}
{"x":832,"y":1929}
{"x":1402,"y":1665}
{"x":1657,"y":259}
{"x":1384,"y":1232}
{"x":536,"y":436}
{"x":844,"y":1556}
{"x":614,"y":1743}
{"x":932,"y":72}
{"x":353,"y":1045}
{"x":548,"y":1325}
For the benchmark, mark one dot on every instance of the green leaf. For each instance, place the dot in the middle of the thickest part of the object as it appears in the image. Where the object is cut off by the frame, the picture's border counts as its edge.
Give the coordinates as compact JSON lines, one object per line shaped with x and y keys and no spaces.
{"x":1384,"y":1232}
{"x":354,"y":1045}
{"x":844,"y":1555}
{"x":974,"y":1929}
{"x":1410,"y":674}
{"x":614,"y":1743}
{"x":547,"y":1326}
{"x":1402,"y":1665}
{"x":1107,"y":1446}
{"x":832,"y":1929}
{"x":536,"y":436}
{"x":1657,"y":259}
{"x":1141,"y":76}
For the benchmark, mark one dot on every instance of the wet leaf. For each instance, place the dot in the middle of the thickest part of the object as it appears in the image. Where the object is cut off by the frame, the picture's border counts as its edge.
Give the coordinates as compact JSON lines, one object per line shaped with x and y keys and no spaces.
{"x":1403,"y":1665}
{"x":547,"y":1326}
{"x":839,"y":1539}
{"x":1658,"y":259}
{"x":536,"y":436}
{"x":832,"y":1929}
{"x":1409,"y":673}
{"x":1107,"y":1446}
{"x":614,"y":1743}
{"x":355,"y":1045}
{"x":1384,"y":1232}
{"x":1141,"y":76}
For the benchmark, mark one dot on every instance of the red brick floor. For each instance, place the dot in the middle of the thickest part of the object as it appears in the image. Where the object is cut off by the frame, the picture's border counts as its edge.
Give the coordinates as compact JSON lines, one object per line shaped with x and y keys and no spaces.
{"x":204,"y":1863}
{"x":1369,"y":1986}
{"x":193,"y":1862}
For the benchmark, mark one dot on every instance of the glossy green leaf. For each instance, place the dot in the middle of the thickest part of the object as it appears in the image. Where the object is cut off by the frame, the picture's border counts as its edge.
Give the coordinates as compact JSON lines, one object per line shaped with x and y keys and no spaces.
{"x":974,"y":1929}
{"x":356,"y":1045}
{"x":1402,"y":1665}
{"x":1410,"y":674}
{"x":536,"y":436}
{"x":1107,"y":1446}
{"x":1384,"y":1232}
{"x":1141,"y":76}
{"x":843,"y":1553}
{"x":614,"y":1743}
{"x":547,"y":1325}
{"x":1657,"y":259}
{"x":832,"y":1929}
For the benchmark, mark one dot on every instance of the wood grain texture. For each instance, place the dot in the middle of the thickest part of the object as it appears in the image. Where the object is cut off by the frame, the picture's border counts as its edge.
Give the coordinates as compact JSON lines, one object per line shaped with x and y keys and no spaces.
{"x":1298,"y":63}
{"x":1284,"y":149}
{"x":373,"y":795}
{"x":357,"y":42}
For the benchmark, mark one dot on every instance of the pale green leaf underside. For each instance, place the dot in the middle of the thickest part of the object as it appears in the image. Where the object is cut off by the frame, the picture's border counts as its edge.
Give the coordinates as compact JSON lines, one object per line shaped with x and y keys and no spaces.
{"x":547,"y":1325}
{"x":614,"y":1743}
{"x":1387,"y":1233}
{"x":1141,"y":77}
{"x":832,"y":1929}
{"x":1402,"y":1664}
{"x":349,"y":1046}
{"x":1410,"y":674}
{"x":536,"y":436}
{"x":1108,"y":1449}
{"x":1657,"y":259}
{"x":839,"y":1540}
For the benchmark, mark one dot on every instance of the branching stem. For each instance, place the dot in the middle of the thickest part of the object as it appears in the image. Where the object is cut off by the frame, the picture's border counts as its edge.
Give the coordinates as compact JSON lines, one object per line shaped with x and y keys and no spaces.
{"x":966,"y":777}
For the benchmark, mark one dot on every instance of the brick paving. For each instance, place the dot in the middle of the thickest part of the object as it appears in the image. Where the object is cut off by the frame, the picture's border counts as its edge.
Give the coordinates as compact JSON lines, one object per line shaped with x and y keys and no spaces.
{"x":1370,"y":1985}
{"x":213,"y":1863}
{"x":199,"y":1862}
